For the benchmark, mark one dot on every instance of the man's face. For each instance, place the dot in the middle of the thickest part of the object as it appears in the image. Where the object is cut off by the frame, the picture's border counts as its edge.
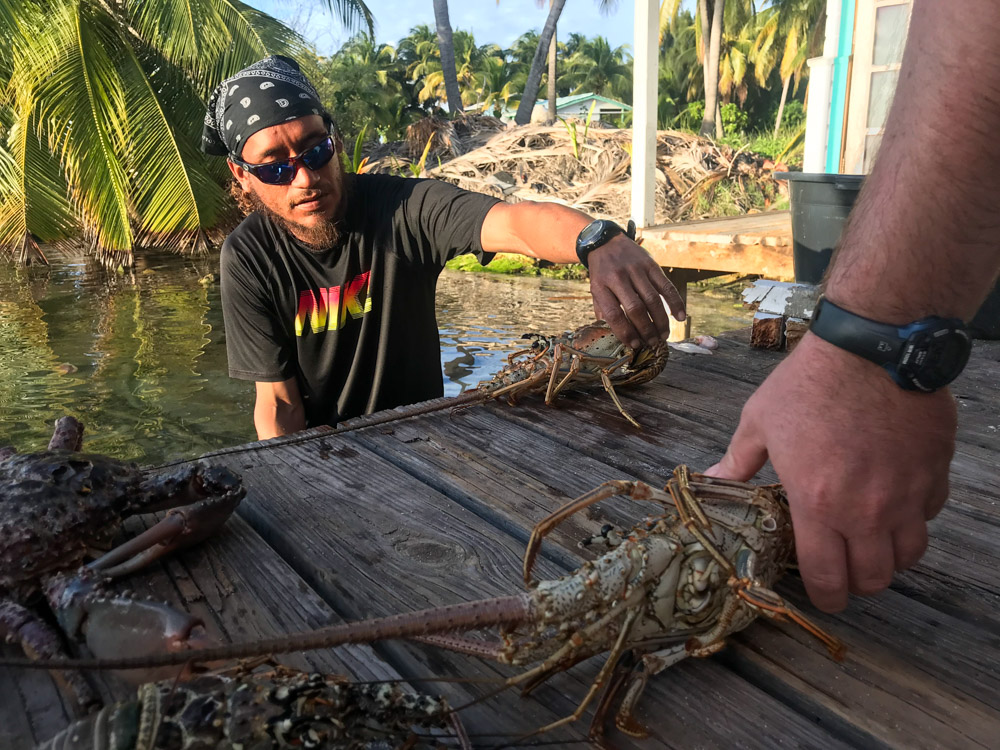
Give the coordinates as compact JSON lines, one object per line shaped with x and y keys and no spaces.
{"x":310,"y":205}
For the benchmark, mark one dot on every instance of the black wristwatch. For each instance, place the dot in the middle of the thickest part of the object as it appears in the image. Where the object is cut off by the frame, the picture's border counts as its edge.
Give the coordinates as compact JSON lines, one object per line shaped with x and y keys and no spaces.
{"x":924,"y":355}
{"x":596,"y":234}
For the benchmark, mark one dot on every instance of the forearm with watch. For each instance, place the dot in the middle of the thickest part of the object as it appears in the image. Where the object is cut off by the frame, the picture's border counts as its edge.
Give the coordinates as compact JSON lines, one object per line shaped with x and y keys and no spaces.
{"x":924,"y":238}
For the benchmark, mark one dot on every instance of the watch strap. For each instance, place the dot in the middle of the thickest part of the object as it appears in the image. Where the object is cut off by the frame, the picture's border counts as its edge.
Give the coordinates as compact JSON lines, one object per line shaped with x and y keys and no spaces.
{"x":880,"y":343}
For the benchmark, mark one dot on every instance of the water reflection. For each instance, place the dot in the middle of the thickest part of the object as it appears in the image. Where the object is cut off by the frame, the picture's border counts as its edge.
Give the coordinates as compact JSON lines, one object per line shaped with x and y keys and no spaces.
{"x":141,"y":359}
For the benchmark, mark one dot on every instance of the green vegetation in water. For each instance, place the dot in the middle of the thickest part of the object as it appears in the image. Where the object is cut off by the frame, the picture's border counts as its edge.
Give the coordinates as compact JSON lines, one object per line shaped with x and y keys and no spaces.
{"x":517,"y":264}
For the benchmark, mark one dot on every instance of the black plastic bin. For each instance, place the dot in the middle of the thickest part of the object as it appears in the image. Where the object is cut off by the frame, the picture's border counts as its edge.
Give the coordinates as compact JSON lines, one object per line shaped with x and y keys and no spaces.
{"x":820,"y":204}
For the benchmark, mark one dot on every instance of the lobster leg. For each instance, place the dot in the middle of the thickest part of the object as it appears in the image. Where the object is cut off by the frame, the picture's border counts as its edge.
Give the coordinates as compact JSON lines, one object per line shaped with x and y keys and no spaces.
{"x":609,"y":387}
{"x":558,"y":353}
{"x":182,"y":527}
{"x":635,"y":490}
{"x":769,"y":604}
{"x":524,"y":385}
{"x":555,"y":664}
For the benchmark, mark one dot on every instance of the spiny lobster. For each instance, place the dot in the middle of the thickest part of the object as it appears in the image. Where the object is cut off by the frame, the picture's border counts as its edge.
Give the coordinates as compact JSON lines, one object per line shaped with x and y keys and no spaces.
{"x":278,"y":708}
{"x":673,"y":586}
{"x":590,"y":354}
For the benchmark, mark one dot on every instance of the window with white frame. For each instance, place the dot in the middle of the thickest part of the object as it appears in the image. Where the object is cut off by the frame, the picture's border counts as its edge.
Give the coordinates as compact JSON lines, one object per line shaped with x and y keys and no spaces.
{"x":879,"y":38}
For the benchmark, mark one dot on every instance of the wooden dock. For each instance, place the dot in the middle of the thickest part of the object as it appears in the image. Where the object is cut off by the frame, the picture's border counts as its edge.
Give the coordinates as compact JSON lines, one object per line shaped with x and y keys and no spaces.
{"x":750,"y":244}
{"x":689,"y":251}
{"x":437,"y":509}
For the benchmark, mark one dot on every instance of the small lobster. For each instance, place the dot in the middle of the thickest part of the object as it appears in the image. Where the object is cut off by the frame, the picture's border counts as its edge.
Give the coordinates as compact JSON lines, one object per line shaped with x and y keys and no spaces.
{"x":590,"y":354}
{"x":673,"y":586}
{"x":277,"y":708}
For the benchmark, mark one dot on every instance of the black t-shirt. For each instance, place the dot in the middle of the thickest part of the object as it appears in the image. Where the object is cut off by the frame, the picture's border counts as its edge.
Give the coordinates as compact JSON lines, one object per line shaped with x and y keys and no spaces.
{"x":354,"y":324}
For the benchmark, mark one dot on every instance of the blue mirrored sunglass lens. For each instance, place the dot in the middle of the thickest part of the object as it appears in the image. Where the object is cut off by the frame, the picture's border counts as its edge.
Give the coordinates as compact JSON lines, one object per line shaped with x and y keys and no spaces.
{"x":318,"y":156}
{"x":274,"y":174}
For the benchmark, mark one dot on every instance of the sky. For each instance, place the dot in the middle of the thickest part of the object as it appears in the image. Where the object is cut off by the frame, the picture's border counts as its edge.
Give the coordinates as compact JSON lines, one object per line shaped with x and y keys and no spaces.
{"x":489,"y":21}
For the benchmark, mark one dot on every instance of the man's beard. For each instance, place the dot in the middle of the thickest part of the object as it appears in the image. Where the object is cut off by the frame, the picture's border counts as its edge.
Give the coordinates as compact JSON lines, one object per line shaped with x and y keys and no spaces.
{"x":321,"y":236}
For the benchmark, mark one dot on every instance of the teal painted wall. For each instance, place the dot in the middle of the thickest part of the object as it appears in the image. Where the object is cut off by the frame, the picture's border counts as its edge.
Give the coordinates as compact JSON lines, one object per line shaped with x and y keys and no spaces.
{"x":838,"y":101}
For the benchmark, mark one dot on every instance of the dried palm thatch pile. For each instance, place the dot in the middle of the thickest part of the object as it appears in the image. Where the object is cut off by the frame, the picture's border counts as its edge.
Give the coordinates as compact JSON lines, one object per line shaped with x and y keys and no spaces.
{"x":586,"y":169}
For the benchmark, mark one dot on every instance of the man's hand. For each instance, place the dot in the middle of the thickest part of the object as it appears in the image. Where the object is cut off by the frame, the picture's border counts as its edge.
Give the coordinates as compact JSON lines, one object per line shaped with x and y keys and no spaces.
{"x":627,"y":285}
{"x":865,"y":465}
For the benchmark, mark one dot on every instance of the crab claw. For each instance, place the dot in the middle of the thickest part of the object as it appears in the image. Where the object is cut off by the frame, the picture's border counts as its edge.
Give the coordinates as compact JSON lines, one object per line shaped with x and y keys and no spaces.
{"x":114,"y":625}
{"x":221,"y":491}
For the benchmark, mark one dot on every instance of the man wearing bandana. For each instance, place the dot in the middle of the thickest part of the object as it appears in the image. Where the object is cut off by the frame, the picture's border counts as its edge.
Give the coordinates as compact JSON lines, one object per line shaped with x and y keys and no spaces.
{"x":328,"y":285}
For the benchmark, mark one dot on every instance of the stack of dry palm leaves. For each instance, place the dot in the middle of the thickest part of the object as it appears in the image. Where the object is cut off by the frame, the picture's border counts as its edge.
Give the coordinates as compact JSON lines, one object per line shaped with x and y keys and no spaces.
{"x":588,"y":169}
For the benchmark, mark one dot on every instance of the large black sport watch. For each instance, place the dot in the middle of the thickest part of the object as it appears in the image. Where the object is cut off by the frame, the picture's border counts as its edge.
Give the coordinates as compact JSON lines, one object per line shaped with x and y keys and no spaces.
{"x":596,"y":234}
{"x":924,"y":355}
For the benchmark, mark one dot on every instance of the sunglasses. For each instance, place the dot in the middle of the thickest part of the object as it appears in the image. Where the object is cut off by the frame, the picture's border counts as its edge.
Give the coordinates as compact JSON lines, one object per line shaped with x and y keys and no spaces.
{"x":283,"y":172}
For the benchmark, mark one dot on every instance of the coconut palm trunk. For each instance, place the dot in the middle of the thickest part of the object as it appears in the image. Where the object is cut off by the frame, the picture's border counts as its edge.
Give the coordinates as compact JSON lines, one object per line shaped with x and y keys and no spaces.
{"x":523,"y":116}
{"x":552,"y":78}
{"x":710,"y":125}
{"x":781,"y":106}
{"x":447,"y":56}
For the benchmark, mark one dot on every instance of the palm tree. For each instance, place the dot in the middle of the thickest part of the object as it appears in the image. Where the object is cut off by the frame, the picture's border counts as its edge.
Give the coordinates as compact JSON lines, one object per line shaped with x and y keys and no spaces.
{"x":712,"y":13}
{"x":364,"y":84}
{"x":430,"y":77}
{"x":535,"y":75}
{"x":795,"y":26}
{"x":681,"y":72}
{"x":598,"y":68}
{"x":101,"y":111}
{"x":447,"y":56}
{"x":496,"y":79}
{"x":714,"y":16}
{"x":739,"y":52}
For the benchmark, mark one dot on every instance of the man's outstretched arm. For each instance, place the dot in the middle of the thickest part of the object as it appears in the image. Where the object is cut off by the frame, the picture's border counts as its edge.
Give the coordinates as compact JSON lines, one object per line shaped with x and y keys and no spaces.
{"x":625,"y":281}
{"x":864,"y":462}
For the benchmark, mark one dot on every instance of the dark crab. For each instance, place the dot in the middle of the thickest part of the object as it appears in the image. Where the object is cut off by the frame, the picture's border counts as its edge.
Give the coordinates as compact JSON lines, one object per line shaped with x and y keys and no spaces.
{"x":60,"y":511}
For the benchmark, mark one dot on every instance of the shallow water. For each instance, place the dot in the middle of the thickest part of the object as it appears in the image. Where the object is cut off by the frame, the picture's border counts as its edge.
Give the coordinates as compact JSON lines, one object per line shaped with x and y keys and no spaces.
{"x":141,"y":359}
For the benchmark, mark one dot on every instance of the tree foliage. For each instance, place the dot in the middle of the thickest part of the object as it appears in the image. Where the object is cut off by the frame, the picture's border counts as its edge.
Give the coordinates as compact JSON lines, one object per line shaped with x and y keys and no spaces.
{"x":101,"y":109}
{"x":102,"y":106}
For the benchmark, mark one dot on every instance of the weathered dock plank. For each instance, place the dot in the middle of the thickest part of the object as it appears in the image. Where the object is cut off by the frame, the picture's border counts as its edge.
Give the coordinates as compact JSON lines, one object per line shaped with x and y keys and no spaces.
{"x":241,"y":589}
{"x":436,"y":509}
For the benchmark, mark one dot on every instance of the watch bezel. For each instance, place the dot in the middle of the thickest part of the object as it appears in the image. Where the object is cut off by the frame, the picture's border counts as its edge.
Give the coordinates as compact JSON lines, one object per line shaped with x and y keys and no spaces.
{"x":606,"y":230}
{"x":920,"y":336}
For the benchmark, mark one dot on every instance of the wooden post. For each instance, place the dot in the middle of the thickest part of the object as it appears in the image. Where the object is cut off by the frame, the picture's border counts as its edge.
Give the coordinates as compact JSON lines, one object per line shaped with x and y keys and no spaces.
{"x":679,"y":277}
{"x":645,"y":70}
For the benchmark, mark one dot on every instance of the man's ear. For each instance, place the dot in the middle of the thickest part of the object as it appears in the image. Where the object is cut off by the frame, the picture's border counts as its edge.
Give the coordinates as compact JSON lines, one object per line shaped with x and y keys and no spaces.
{"x":239,"y":174}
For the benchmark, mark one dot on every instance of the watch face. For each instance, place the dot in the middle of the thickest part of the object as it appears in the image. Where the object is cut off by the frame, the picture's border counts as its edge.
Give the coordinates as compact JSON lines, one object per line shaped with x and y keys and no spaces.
{"x":591,"y":232}
{"x":932,"y":359}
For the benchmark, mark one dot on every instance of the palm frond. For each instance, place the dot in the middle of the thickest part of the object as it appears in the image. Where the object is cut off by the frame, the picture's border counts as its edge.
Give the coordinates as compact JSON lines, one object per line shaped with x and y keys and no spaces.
{"x":669,"y":10}
{"x":254,"y":35}
{"x":35,"y":195}
{"x":82,"y":110}
{"x":169,"y":201}
{"x":353,"y":13}
{"x":188,"y":32}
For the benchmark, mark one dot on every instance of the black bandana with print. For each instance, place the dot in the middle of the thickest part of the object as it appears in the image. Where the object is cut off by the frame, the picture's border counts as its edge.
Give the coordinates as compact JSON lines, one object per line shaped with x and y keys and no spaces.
{"x":269,"y":92}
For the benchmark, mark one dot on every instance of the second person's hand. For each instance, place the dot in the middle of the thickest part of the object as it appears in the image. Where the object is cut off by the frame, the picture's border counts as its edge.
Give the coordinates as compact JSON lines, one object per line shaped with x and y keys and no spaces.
{"x":627,"y":286}
{"x":865,"y":465}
